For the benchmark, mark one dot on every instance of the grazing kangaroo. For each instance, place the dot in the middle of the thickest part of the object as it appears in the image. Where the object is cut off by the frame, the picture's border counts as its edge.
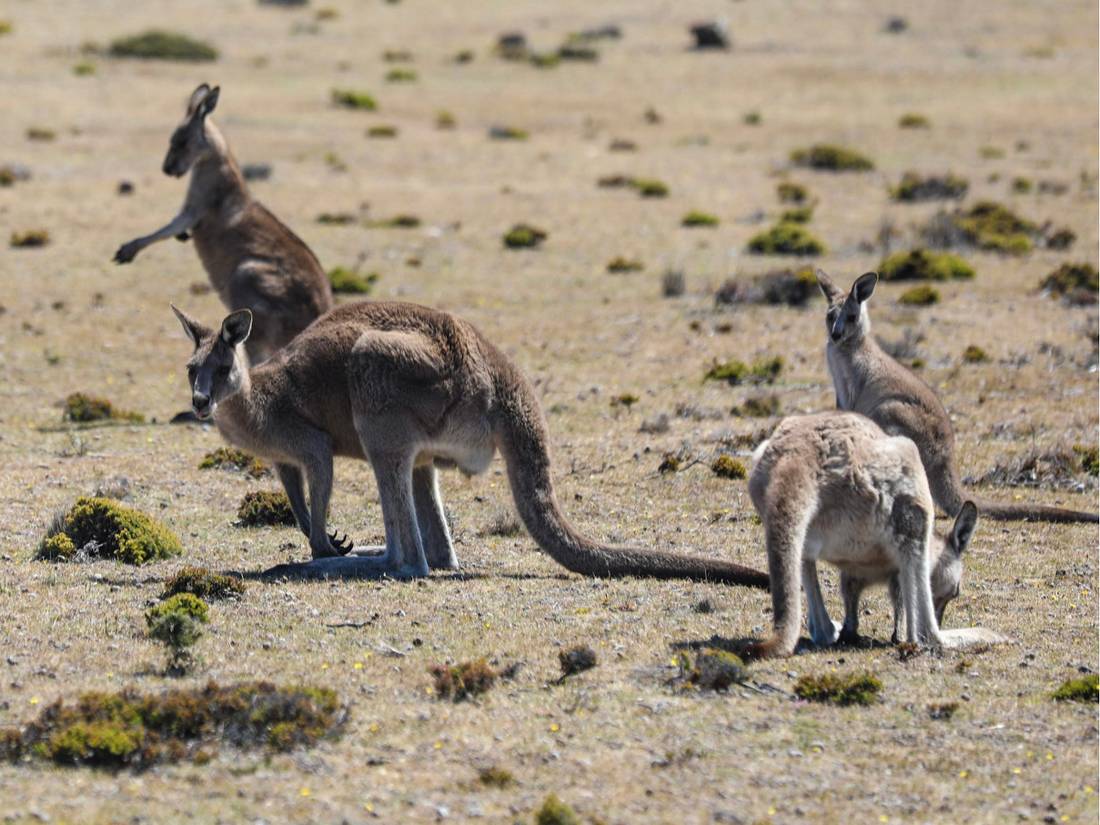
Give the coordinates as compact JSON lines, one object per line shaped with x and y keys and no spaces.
{"x":253,"y":260}
{"x":408,"y":389}
{"x":834,"y":487}
{"x":868,"y":381}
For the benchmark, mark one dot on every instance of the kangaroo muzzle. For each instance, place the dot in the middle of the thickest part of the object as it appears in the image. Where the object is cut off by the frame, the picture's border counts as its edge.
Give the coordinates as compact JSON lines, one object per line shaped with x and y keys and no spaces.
{"x":201,"y":404}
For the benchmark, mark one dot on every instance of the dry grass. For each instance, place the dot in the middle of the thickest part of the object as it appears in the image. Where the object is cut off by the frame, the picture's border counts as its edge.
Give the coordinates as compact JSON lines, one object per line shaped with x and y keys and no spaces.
{"x":815,"y":75}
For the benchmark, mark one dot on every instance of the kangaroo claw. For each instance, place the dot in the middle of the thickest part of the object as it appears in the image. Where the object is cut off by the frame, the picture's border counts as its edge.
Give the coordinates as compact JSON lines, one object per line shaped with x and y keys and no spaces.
{"x":343,"y":545}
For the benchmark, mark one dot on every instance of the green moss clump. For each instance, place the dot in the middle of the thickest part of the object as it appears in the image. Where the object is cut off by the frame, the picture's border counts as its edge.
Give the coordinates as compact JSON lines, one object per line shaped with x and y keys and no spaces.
{"x":523,"y":236}
{"x":347,"y":282}
{"x":82,"y":408}
{"x":496,"y":777}
{"x":264,"y":508}
{"x":30,"y":238}
{"x":915,"y":188}
{"x":1079,"y":283}
{"x":765,"y":370}
{"x":974,"y":354}
{"x":382,"y":131}
{"x":752,"y":118}
{"x":464,"y":680}
{"x":789,"y":192}
{"x":106,"y":529}
{"x":786,"y":239}
{"x":186,"y":604}
{"x":832,"y":158}
{"x":620,"y":264}
{"x":555,"y":812}
{"x":1090,"y":458}
{"x":712,"y":669}
{"x":397,"y":56}
{"x":401,"y":76}
{"x":6,"y":27}
{"x":351,"y":99}
{"x":337,"y":218}
{"x":402,"y":221}
{"x":695,"y":218}
{"x":1079,"y":689}
{"x":84,"y":68}
{"x":1022,"y":186}
{"x":157,"y":44}
{"x":626,"y":399}
{"x":576,"y":659}
{"x":996,"y":228}
{"x":445,"y":120}
{"x":544,"y":60}
{"x":759,"y":406}
{"x":131,"y":730}
{"x":41,"y":133}
{"x":204,"y":584}
{"x":912,"y":120}
{"x":839,"y":689}
{"x":920,"y":265}
{"x":921,"y":295}
{"x":799,"y":214}
{"x":507,"y":133}
{"x":230,"y":458}
{"x":726,"y":466}
{"x":650,"y":187}
{"x":991,"y":152}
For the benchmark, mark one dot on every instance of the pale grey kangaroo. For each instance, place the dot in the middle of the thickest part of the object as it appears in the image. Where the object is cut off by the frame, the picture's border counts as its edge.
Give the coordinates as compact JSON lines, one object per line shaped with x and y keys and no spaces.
{"x":408,"y":389}
{"x":868,"y":381}
{"x":253,"y":260}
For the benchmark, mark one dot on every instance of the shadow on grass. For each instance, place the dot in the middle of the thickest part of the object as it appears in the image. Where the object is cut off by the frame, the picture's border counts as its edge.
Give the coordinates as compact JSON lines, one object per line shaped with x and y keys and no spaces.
{"x":742,"y":645}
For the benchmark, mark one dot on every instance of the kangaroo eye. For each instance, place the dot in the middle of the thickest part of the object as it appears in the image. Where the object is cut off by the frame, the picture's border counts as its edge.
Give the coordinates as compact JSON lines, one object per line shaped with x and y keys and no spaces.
{"x":223,"y":372}
{"x":190,"y":372}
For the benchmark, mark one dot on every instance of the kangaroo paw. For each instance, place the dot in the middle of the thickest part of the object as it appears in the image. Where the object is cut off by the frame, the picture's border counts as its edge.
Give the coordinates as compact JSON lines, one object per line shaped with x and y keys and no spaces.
{"x":342,"y":546}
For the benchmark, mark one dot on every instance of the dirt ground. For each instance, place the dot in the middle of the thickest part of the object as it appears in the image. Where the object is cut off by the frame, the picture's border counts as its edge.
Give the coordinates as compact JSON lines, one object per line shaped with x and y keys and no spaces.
{"x":1010,"y":90}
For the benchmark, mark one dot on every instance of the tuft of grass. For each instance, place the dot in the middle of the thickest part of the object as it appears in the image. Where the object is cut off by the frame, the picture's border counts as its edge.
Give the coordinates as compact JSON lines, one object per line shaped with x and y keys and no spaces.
{"x":831,"y":158}
{"x":1022,"y":186}
{"x":786,"y":238}
{"x":230,"y":458}
{"x":204,"y":584}
{"x":401,"y":76}
{"x":789,"y":192}
{"x":345,"y":281}
{"x":752,"y":118}
{"x":797,"y":214}
{"x":82,"y":408}
{"x":915,"y":188}
{"x":29,"y":238}
{"x":1078,"y":283}
{"x":84,"y":68}
{"x":922,"y":265}
{"x":464,"y":680}
{"x":839,"y":689}
{"x":695,"y":218}
{"x":135,"y":731}
{"x":507,"y":133}
{"x":673,"y":283}
{"x":1090,"y":458}
{"x":382,"y":131}
{"x":974,"y":354}
{"x":576,"y":659}
{"x":989,"y":225}
{"x":504,"y":524}
{"x":41,"y":133}
{"x":265,"y":508}
{"x":397,"y":56}
{"x":523,"y":236}
{"x":762,"y":371}
{"x":912,"y":120}
{"x":1060,"y":239}
{"x":921,"y":295}
{"x":105,"y":529}
{"x":352,"y":99}
{"x":445,"y":120}
{"x":759,"y":406}
{"x":1056,"y":468}
{"x":792,"y":287}
{"x":555,"y":812}
{"x":670,"y":463}
{"x":650,"y":188}
{"x":991,"y":152}
{"x":942,"y":710}
{"x":712,"y":669}
{"x":337,"y":218}
{"x":1079,"y":689}
{"x":496,"y":777}
{"x":619,"y":264}
{"x":626,"y":399}
{"x":158,"y":44}
{"x":726,"y":466}
{"x":6,"y":27}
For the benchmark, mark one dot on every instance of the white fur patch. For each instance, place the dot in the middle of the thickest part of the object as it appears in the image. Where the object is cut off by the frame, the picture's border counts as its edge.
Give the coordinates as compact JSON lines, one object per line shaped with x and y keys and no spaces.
{"x":960,"y":638}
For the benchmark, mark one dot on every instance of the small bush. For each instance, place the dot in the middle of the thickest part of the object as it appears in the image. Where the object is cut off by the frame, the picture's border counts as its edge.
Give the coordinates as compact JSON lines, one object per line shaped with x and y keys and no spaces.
{"x":523,"y":236}
{"x":1077,"y":283}
{"x":670,"y":463}
{"x":1079,"y":689}
{"x":1057,"y":467}
{"x":726,"y":466}
{"x":831,"y":158}
{"x":40,"y":133}
{"x":650,"y":188}
{"x":1060,"y":239}
{"x":786,"y":239}
{"x":507,"y":133}
{"x":382,"y":131}
{"x":996,"y":228}
{"x":752,"y":118}
{"x":712,"y":669}
{"x":445,"y":120}
{"x":974,"y":354}
{"x":496,"y":777}
{"x":464,"y":680}
{"x":82,"y":408}
{"x":922,"y":265}
{"x":839,"y":689}
{"x":351,"y":99}
{"x":103,"y":528}
{"x":920,"y":296}
{"x":1022,"y":186}
{"x":788,"y":192}
{"x":915,"y":188}
{"x":157,"y":44}
{"x":504,"y":524}
{"x":792,"y":287}
{"x":204,"y":584}
{"x":626,"y":399}
{"x":345,"y":281}
{"x":1090,"y":458}
{"x":264,"y":508}
{"x":337,"y":218}
{"x":759,"y":406}
{"x":84,"y":68}
{"x":673,"y":283}
{"x":401,"y":76}
{"x":187,"y":604}
{"x":620,"y":264}
{"x":402,"y":221}
{"x":6,"y":27}
{"x":230,"y":458}
{"x":695,"y":218}
{"x":765,"y":371}
{"x":30,"y":238}
{"x":799,"y":214}
{"x":555,"y":812}
{"x":397,"y":56}
{"x":576,"y":659}
{"x":942,"y":710}
{"x":911,"y":120}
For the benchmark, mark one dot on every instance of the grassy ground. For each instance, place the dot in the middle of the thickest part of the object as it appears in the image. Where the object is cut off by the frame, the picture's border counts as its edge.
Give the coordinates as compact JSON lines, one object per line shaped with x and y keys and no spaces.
{"x":618,"y":743}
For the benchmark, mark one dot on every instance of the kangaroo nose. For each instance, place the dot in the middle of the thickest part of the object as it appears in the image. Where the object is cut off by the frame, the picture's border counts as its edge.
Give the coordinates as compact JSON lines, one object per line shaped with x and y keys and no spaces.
{"x":200,"y":401}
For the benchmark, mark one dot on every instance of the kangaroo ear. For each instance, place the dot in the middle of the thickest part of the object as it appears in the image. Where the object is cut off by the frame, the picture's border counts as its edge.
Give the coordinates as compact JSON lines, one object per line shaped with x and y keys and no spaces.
{"x":964,"y":527}
{"x":864,"y":286}
{"x":197,"y":96}
{"x":209,"y":102}
{"x":236,"y":327}
{"x":829,"y":289}
{"x":195,"y":331}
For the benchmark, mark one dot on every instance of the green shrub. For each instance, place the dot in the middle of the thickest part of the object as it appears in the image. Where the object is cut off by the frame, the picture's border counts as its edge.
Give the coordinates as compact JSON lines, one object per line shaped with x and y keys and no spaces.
{"x":911,"y":120}
{"x":788,"y":192}
{"x":82,"y":408}
{"x":991,"y":226}
{"x":402,"y":221}
{"x":1078,"y":282}
{"x":1079,"y":689}
{"x":523,"y":236}
{"x":650,"y":188}
{"x":401,"y":76}
{"x":337,"y":218}
{"x":187,"y":604}
{"x":831,"y":158}
{"x":696,"y":218}
{"x":620,"y":264}
{"x":347,"y":282}
{"x":200,"y":582}
{"x":382,"y":131}
{"x":576,"y":659}
{"x":109,"y":530}
{"x":915,"y":188}
{"x":920,"y":264}
{"x":786,"y":239}
{"x":464,"y":680}
{"x":351,"y":99}
{"x":920,"y":296}
{"x":974,"y":354}
{"x":41,"y":133}
{"x":555,"y":812}
{"x":230,"y":458}
{"x":1022,"y":186}
{"x":764,"y":370}
{"x":496,"y":777}
{"x":839,"y":689}
{"x":759,"y":406}
{"x":157,"y":44}
{"x":84,"y":68}
{"x":1090,"y":458}
{"x":30,"y":238}
{"x":712,"y":669}
{"x":726,"y":466}
{"x":507,"y":133}
{"x":752,"y":118}
{"x":445,"y":120}
{"x":798,"y":214}
{"x":6,"y":27}
{"x":264,"y":508}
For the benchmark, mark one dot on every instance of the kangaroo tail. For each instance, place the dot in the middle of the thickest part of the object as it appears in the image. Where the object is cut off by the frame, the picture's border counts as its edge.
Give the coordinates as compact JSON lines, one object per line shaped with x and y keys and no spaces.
{"x":522,"y":439}
{"x":1035,"y":512}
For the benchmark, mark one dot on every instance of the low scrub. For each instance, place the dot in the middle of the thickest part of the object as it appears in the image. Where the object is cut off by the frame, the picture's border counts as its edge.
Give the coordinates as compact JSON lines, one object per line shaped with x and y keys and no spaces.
{"x":620,"y":265}
{"x":81,"y":408}
{"x":104,"y":529}
{"x":157,"y":44}
{"x":1077,"y":283}
{"x":789,"y":287}
{"x":915,"y":188}
{"x":711,"y":669}
{"x":346,"y":281}
{"x":177,"y":624}
{"x":922,"y":265}
{"x":201,"y":582}
{"x":839,"y":689}
{"x":786,"y":238}
{"x":1079,"y":689}
{"x":695,"y":218}
{"x":352,"y":99}
{"x":230,"y":458}
{"x":576,"y":659}
{"x":523,"y":236}
{"x":762,"y":371}
{"x":464,"y":680}
{"x":29,"y":238}
{"x":265,"y":508}
{"x":789,"y":192}
{"x":555,"y":812}
{"x":922,"y":295}
{"x":726,"y":466}
{"x":1056,"y":467}
{"x":832,"y":158}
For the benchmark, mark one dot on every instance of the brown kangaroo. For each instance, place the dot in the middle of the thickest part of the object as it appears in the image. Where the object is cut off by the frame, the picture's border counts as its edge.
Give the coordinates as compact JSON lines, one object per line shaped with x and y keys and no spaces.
{"x":408,"y":389}
{"x":253,"y":260}
{"x":868,"y":381}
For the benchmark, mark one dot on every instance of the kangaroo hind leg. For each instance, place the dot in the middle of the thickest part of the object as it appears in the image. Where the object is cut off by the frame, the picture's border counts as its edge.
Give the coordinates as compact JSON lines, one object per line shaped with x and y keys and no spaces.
{"x":431,"y":519}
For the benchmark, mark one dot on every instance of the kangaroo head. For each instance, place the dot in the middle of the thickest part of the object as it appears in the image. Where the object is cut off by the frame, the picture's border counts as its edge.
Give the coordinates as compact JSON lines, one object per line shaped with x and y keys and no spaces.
{"x":218,"y":366}
{"x":947,"y":574}
{"x":846,"y":320}
{"x":190,"y":141}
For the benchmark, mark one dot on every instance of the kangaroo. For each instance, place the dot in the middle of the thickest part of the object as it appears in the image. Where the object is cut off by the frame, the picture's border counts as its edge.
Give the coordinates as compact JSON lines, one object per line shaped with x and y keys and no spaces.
{"x":408,"y":389}
{"x":253,"y":260}
{"x":868,"y":381}
{"x":833,"y":486}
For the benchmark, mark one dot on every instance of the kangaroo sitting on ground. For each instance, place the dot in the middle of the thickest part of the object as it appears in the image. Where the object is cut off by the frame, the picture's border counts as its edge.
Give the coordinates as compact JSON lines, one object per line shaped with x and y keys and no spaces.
{"x":408,"y":389}
{"x":868,"y":381}
{"x":253,"y":260}
{"x":835,"y":487}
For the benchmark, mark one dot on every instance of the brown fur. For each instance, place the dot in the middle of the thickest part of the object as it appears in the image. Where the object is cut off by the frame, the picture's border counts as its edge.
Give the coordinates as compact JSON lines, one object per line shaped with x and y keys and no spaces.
{"x":408,"y":389}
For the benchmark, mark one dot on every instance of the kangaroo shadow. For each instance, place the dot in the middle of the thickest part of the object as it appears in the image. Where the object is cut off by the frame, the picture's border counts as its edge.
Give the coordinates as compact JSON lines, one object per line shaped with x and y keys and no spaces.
{"x":743,"y":646}
{"x":302,"y":573}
